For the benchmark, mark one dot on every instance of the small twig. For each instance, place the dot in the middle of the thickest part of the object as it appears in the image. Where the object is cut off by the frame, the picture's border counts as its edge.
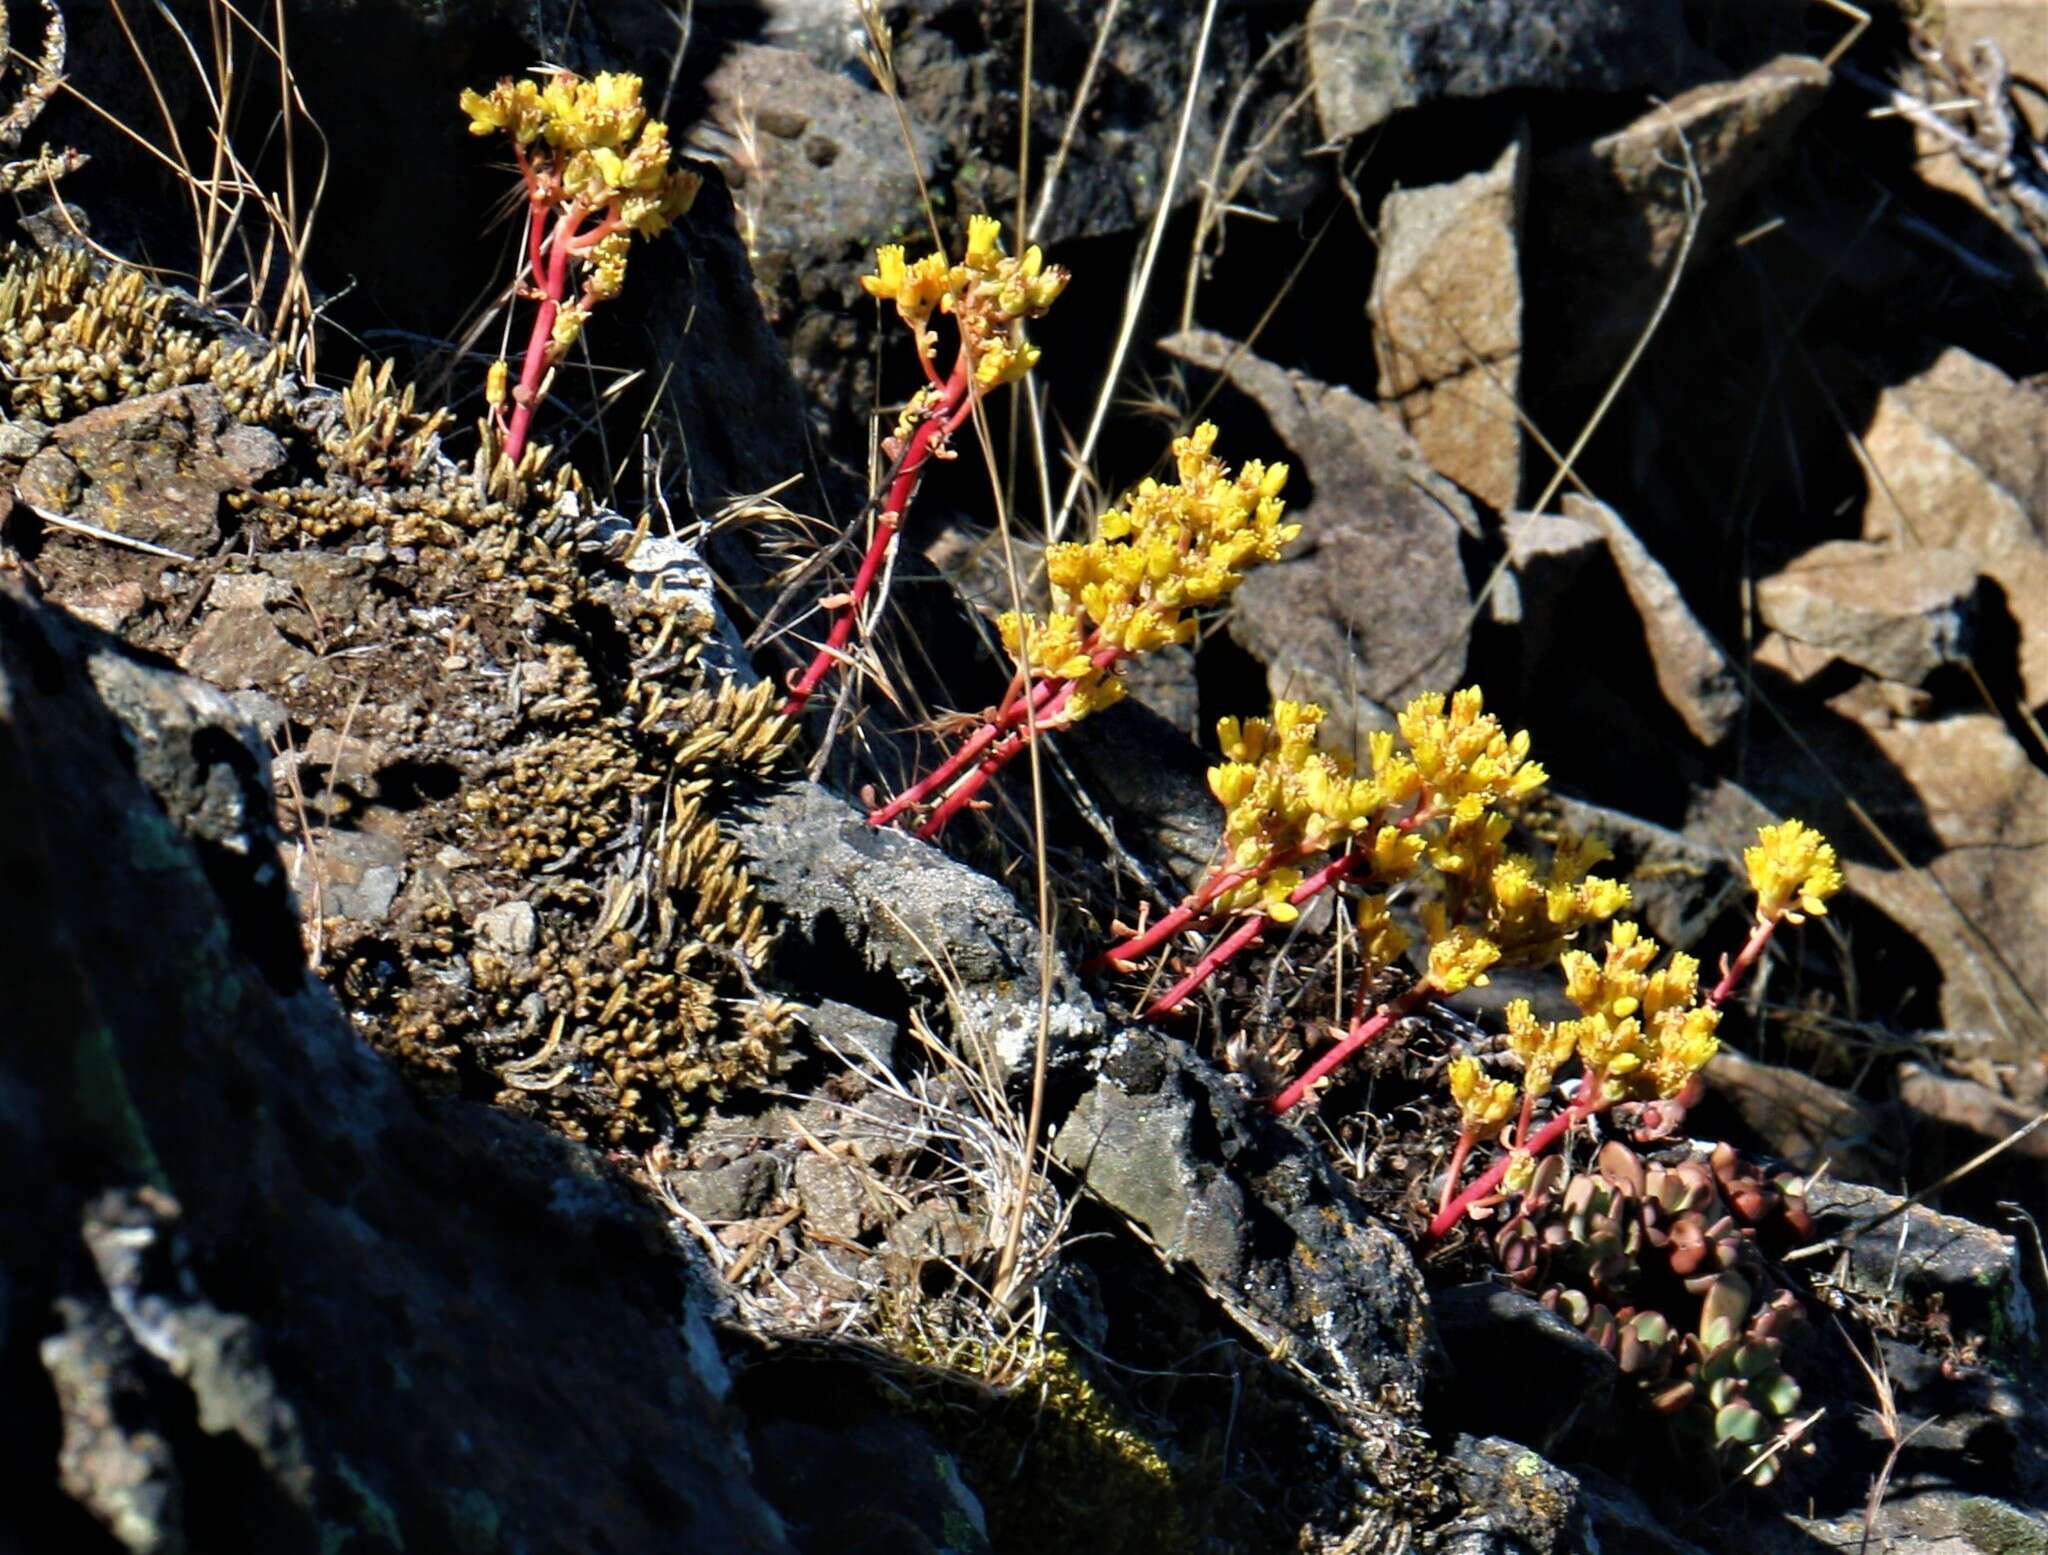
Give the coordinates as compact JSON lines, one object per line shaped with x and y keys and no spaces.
{"x":80,"y":526}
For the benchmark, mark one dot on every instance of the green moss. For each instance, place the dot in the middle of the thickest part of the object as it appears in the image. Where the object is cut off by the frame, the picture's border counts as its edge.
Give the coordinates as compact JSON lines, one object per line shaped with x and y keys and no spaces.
{"x":1057,"y":1467}
{"x":1999,"y":1529}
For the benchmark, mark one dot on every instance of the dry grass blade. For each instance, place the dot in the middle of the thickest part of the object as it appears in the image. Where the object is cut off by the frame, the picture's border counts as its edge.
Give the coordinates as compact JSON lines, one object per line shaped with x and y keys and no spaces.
{"x":272,"y":267}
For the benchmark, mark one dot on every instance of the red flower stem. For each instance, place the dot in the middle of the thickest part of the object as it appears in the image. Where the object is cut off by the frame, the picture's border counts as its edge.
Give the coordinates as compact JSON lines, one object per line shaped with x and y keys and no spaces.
{"x":1359,"y":1035}
{"x":1017,"y":709}
{"x":1450,"y":1214}
{"x":1549,"y":1134}
{"x":1195,"y":906}
{"x":1247,"y":933}
{"x":539,"y":344}
{"x":939,"y":420}
{"x":995,"y":761}
{"x":1459,"y":1155}
{"x":1759,"y":937}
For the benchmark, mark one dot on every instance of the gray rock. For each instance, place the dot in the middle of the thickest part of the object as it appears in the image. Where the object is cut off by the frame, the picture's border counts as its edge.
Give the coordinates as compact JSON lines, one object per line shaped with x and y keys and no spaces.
{"x":1546,"y":552}
{"x":510,"y":928}
{"x":351,"y":874}
{"x":855,"y":1032}
{"x":738,"y":1190}
{"x":247,"y":1194}
{"x":1606,"y":218}
{"x":1692,"y":672}
{"x":1899,"y":614}
{"x":1447,"y":322}
{"x":1369,"y":59}
{"x":153,"y":468}
{"x":1565,"y":1382}
{"x":241,"y":648}
{"x":1258,"y":1214}
{"x":1887,"y":1253}
{"x":942,"y":931}
{"x":1515,"y":1502}
{"x":1379,"y":513}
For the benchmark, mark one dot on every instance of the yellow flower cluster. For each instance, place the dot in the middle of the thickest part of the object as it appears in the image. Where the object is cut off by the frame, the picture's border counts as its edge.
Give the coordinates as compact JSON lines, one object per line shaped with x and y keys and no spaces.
{"x":1641,"y":1033}
{"x":1791,"y":864}
{"x":1169,"y":549}
{"x":1283,"y":795}
{"x":1484,"y":1105}
{"x":988,"y":293}
{"x":1531,"y":917}
{"x":612,"y":151}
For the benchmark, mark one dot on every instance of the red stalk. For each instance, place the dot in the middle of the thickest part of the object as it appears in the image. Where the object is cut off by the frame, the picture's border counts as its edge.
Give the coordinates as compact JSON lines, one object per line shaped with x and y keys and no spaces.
{"x":996,"y":760}
{"x":970,"y":749}
{"x":1548,"y":1135}
{"x":1246,"y":933}
{"x":538,"y":355}
{"x":1357,"y":1038}
{"x":1454,"y":1211}
{"x":940,"y":419}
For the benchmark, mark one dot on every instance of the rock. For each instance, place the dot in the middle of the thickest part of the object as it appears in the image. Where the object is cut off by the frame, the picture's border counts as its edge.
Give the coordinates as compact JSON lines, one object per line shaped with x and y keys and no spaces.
{"x":856,"y":1033}
{"x":1971,"y":789}
{"x":1546,"y":552}
{"x":900,"y":906}
{"x":1801,"y":1120}
{"x":1962,"y":456}
{"x":1369,"y":59}
{"x":813,"y":157}
{"x":1974,"y":1108}
{"x":1564,"y":1381}
{"x":830,"y":1195}
{"x":1606,"y":218}
{"x":1514,"y":1502}
{"x":1692,"y":672}
{"x":738,"y":1190}
{"x":153,"y":469}
{"x":510,"y":928}
{"x":1257,"y":1213}
{"x":1447,"y":322}
{"x":875,"y":1484}
{"x":1900,"y":614}
{"x":225,"y":1191}
{"x":241,"y":648}
{"x":1378,"y":513}
{"x":1886,"y":1252}
{"x":351,"y":874}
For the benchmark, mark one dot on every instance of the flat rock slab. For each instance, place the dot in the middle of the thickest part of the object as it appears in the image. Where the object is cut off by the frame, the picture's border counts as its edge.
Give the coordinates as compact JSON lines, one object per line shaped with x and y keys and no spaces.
{"x":1369,"y":59}
{"x":903,"y":907}
{"x":1373,"y":601}
{"x":1901,"y":613}
{"x":1606,"y":218}
{"x":1447,"y":322}
{"x":1258,"y":1214}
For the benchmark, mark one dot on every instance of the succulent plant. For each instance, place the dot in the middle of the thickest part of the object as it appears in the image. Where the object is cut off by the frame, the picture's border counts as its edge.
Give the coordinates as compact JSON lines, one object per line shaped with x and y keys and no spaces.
{"x":1659,"y":1264}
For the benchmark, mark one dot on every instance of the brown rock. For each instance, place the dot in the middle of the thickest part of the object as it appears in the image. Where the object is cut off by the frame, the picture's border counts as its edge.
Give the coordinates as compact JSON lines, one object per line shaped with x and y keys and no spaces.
{"x":1374,"y":602}
{"x":1606,"y":218}
{"x":1803,"y":1120}
{"x":1977,"y":1109}
{"x":1899,"y":613}
{"x":1447,"y":322}
{"x":1961,"y":456}
{"x":1979,"y":905}
{"x":1691,"y":670}
{"x":242,"y":647}
{"x":153,"y":469}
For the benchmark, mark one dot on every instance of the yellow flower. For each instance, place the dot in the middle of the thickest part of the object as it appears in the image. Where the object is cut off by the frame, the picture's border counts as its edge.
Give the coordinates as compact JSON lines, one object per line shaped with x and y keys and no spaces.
{"x":1484,"y":1105}
{"x":1542,"y":1048}
{"x":1458,"y":958}
{"x":1791,"y":864}
{"x":987,"y":292}
{"x":1381,"y":941}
